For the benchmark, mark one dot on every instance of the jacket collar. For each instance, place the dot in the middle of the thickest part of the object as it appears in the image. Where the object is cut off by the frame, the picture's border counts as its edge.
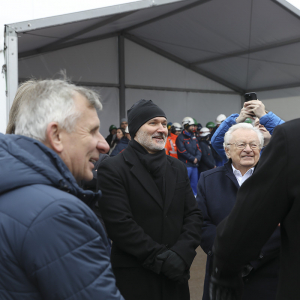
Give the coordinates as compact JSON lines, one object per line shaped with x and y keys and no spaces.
{"x":145,"y":179}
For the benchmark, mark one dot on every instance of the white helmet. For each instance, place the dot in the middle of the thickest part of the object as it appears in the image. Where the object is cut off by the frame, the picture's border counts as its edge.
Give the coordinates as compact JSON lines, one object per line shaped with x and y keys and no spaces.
{"x":187,"y":120}
{"x":176,"y":126}
{"x":220,"y":118}
{"x":204,"y":131}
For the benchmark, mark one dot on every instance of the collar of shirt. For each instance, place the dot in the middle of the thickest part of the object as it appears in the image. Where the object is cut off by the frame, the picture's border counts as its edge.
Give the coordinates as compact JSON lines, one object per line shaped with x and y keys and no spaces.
{"x":239,"y":177}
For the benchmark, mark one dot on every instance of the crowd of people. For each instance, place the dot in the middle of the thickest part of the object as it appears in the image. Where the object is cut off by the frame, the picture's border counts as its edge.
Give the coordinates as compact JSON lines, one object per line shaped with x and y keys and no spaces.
{"x":83,"y":217}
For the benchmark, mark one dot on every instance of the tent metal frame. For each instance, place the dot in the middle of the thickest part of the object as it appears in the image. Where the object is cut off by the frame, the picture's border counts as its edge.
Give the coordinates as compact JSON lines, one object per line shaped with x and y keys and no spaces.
{"x":112,"y":14}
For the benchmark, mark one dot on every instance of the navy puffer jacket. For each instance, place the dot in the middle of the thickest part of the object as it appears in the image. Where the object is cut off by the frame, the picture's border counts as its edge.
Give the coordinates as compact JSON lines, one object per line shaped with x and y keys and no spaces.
{"x":188,"y":149}
{"x":52,"y":244}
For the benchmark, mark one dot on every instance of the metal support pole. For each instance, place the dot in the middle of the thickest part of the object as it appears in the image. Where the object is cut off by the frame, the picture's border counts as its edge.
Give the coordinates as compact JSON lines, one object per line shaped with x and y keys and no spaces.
{"x":11,"y":69}
{"x":121,"y":53}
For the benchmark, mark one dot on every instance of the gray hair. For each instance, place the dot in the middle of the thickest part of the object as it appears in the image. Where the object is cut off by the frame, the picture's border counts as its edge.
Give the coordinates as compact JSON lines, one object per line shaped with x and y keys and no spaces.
{"x":246,"y":126}
{"x":49,"y":101}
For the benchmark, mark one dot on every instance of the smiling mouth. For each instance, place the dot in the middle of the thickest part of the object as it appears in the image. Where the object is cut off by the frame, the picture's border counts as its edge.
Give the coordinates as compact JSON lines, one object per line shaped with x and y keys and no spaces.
{"x":93,"y":161}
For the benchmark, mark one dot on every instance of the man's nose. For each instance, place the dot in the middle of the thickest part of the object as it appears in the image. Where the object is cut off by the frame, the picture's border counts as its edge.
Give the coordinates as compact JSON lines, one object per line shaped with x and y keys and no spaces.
{"x":102,"y":145}
{"x":247,"y":148}
{"x":162,"y":128}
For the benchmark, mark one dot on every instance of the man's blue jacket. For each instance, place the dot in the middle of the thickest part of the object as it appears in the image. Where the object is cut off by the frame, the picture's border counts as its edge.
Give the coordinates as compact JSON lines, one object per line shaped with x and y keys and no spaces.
{"x":270,"y":121}
{"x":188,"y":149}
{"x":52,"y":244}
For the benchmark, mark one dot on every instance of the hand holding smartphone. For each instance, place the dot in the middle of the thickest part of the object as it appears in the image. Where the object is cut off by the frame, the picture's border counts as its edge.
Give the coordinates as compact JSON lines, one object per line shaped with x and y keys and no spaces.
{"x":249,"y":97}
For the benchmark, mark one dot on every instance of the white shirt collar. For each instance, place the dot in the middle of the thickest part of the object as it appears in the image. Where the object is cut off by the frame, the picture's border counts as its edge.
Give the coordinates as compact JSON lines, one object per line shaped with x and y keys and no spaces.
{"x":239,"y":177}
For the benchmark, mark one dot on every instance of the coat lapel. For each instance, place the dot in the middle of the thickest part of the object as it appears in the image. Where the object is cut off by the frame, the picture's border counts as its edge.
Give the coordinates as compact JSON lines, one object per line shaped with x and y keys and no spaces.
{"x":171,"y":179}
{"x":230,"y":175}
{"x":140,"y":172}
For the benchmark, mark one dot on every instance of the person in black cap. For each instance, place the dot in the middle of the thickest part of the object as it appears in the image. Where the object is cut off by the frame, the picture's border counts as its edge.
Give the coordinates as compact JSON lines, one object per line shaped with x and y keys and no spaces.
{"x":149,"y":211}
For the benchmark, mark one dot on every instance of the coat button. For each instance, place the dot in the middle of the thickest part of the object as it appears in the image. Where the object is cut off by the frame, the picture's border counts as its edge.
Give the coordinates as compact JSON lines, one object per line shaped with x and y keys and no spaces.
{"x":166,"y":216}
{"x":261,"y":256}
{"x":209,"y":252}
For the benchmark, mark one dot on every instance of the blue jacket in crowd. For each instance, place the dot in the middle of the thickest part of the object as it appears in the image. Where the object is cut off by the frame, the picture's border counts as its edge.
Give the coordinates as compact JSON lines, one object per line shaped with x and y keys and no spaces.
{"x":122,"y":144}
{"x":188,"y":148}
{"x":52,"y":244}
{"x":207,"y":161}
{"x":270,"y":121}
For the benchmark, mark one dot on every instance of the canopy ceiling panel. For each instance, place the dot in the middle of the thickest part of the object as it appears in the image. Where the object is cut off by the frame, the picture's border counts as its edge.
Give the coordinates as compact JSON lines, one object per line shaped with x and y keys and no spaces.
{"x":215,"y":27}
{"x":139,"y":17}
{"x":42,"y":37}
{"x":233,"y":70}
{"x":158,"y":71}
{"x":82,"y":63}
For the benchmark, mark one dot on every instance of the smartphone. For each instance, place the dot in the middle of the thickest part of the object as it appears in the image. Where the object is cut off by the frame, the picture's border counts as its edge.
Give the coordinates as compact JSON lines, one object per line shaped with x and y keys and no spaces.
{"x":250,"y":96}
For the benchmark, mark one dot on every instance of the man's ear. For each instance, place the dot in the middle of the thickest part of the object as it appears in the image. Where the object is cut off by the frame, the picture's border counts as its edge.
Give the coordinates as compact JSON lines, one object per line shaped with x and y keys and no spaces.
{"x":53,"y":137}
{"x":227,"y":152}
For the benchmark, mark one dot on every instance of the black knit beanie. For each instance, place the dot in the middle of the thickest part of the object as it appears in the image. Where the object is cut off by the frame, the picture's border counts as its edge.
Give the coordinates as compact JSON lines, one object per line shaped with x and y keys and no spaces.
{"x":141,"y":112}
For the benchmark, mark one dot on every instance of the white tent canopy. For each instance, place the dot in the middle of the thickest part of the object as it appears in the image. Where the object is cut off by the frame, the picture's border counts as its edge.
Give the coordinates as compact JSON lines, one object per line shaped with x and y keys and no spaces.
{"x":192,"y":57}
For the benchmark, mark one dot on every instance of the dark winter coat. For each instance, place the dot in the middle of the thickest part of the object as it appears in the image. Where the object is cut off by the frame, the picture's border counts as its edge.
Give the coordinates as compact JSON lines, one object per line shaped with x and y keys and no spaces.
{"x":207,"y":161}
{"x":188,"y":149}
{"x":52,"y":245}
{"x":269,"y":197}
{"x":142,"y":225}
{"x":122,"y":144}
{"x":217,"y":190}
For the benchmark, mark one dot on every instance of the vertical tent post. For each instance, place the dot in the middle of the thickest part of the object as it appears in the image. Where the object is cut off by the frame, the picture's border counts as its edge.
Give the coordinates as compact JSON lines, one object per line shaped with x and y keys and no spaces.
{"x":121,"y":56}
{"x":11,"y":59}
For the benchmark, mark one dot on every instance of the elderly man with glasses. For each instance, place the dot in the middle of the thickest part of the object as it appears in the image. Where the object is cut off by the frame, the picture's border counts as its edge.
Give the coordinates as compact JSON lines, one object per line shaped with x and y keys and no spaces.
{"x":217,"y":190}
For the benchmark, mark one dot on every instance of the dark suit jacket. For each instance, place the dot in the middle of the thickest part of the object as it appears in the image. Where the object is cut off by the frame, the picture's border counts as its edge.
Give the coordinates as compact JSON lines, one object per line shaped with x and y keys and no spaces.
{"x":141,"y":224}
{"x":270,"y":196}
{"x":217,"y":190}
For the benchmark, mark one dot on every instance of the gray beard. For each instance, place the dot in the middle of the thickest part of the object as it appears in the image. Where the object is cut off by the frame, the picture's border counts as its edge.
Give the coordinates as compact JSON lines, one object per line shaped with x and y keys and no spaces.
{"x":146,"y":141}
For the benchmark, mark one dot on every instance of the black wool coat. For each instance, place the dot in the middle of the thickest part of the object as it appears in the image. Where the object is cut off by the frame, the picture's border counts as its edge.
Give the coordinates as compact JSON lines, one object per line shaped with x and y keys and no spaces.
{"x":269,"y":197}
{"x":142,"y":225}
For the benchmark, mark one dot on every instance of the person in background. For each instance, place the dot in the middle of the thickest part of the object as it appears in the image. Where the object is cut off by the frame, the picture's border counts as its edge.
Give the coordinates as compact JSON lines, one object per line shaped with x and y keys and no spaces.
{"x":123,"y":123}
{"x":217,"y":190}
{"x":150,"y":212}
{"x":207,"y":161}
{"x":112,"y":132}
{"x":121,"y":142}
{"x":52,"y":246}
{"x":188,"y":151}
{"x":264,"y":121}
{"x":171,"y":148}
{"x":220,"y":160}
{"x":210,"y":126}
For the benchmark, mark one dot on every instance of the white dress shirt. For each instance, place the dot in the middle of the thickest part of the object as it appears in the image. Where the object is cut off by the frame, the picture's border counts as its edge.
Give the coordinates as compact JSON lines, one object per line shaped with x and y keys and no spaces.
{"x":239,"y":177}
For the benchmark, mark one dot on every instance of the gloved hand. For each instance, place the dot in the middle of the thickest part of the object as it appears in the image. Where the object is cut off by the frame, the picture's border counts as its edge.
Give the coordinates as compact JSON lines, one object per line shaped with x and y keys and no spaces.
{"x":173,"y":267}
{"x":225,"y":286}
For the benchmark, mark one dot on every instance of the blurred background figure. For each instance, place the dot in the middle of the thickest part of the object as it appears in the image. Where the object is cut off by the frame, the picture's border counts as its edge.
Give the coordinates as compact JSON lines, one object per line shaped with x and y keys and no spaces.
{"x":188,"y":151}
{"x":210,"y":126}
{"x":207,"y":161}
{"x":120,"y":143}
{"x":112,"y":132}
{"x":171,"y":148}
{"x":123,"y":123}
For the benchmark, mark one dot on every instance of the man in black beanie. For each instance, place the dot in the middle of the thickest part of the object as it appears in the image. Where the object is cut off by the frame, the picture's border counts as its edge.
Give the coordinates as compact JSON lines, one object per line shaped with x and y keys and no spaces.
{"x":149,"y":211}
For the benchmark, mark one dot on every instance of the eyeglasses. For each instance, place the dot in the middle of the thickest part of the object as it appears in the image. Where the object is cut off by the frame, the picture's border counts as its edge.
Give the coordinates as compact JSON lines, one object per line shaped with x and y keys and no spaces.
{"x":242,"y":146}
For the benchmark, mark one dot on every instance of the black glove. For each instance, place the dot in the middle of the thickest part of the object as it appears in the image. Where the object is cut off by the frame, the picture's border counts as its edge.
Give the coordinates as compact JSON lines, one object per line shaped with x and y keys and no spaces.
{"x":173,"y":267}
{"x":225,"y":286}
